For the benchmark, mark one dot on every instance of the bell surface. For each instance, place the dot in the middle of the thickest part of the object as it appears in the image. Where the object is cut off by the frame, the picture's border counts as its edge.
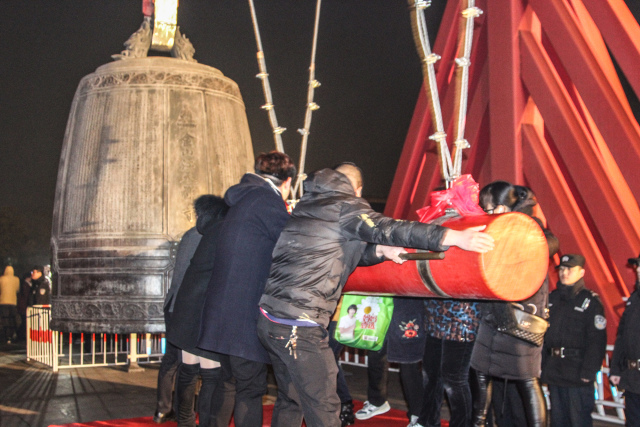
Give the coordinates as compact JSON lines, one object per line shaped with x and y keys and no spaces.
{"x":145,"y":138}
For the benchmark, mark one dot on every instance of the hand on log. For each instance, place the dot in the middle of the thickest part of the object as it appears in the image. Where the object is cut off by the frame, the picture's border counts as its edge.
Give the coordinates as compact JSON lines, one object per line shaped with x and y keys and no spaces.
{"x":391,"y":252}
{"x":471,"y":239}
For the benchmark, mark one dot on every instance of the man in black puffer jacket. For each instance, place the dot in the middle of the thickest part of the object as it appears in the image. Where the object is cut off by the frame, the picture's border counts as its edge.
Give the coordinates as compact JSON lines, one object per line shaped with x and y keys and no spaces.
{"x":331,"y":231}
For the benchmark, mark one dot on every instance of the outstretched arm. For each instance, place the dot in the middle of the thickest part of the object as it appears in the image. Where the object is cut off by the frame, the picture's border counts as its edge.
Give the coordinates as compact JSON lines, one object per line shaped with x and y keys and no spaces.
{"x":471,"y":239}
{"x":391,"y":252}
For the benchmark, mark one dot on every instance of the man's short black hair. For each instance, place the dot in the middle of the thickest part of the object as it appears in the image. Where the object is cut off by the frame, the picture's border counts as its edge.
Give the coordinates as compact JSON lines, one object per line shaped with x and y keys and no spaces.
{"x":276,"y":166}
{"x":355,"y":307}
{"x":208,"y":204}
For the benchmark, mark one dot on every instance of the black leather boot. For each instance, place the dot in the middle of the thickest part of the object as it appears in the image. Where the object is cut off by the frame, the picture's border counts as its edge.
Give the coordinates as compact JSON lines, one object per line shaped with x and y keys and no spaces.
{"x":186,"y":392}
{"x":346,"y":414}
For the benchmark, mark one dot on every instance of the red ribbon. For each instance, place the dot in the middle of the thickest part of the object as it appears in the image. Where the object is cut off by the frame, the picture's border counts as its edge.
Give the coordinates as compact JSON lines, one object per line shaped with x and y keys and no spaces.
{"x":462,"y":196}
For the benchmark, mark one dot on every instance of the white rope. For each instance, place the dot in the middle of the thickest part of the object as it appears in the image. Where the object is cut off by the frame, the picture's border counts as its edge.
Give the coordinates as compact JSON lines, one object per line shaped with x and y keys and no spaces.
{"x":463,"y":63}
{"x":266,"y":87}
{"x":450,"y":170}
{"x":428,"y":58}
{"x":311,"y":106}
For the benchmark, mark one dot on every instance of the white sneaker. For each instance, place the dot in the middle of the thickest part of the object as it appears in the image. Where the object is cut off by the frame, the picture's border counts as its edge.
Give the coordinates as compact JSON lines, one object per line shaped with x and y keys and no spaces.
{"x":414,"y":422}
{"x":369,"y":411}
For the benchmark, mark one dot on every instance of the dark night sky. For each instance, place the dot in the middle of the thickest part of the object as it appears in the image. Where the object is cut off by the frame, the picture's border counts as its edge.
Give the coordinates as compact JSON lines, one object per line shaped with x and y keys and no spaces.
{"x":366,"y":62}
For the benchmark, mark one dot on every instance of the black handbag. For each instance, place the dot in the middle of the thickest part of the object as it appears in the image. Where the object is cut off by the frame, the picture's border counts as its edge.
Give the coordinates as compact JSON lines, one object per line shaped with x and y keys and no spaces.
{"x":512,"y":320}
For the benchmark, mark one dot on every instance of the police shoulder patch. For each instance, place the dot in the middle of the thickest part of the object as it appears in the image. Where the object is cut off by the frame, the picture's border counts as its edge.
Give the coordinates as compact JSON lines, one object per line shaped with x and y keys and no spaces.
{"x":599,"y":322}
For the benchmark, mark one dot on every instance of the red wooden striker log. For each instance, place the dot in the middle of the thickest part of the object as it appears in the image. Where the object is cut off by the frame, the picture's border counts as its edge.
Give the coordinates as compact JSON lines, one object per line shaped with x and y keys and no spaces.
{"x":512,"y":271}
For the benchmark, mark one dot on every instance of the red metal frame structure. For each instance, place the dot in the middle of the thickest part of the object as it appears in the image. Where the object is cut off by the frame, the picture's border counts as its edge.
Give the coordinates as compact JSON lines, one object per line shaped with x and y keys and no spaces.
{"x":547,"y":110}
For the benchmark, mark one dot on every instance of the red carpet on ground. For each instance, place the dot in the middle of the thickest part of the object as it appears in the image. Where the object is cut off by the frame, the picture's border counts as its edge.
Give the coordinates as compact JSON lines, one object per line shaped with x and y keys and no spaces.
{"x":393,"y":418}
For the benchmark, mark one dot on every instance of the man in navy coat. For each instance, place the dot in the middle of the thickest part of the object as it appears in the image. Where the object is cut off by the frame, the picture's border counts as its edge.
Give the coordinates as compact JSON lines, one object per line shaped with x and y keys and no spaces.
{"x":257,"y":214}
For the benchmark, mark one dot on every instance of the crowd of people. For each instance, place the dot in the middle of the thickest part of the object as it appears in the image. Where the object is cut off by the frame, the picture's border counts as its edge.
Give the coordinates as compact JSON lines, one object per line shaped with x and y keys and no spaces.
{"x":257,"y":283}
{"x":16,"y":295}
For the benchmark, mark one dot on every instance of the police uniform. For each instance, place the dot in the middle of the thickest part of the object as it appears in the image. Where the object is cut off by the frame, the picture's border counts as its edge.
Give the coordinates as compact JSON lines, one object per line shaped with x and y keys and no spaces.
{"x":573,"y":351}
{"x":626,"y":357}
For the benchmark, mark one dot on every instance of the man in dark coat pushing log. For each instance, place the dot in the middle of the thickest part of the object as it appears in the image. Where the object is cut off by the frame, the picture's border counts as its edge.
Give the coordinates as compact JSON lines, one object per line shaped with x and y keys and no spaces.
{"x":331,"y":231}
{"x":257,"y":213}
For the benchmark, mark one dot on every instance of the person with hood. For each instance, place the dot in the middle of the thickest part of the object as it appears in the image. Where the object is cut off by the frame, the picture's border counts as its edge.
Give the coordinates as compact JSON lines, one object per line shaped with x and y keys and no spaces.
{"x":9,"y":288}
{"x":185,"y":324}
{"x":331,"y":231}
{"x":257,"y":214}
{"x":171,"y":360}
{"x":625,"y":367}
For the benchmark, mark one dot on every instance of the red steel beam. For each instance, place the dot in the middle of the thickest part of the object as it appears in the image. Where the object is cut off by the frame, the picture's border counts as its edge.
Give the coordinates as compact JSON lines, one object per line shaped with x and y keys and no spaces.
{"x":618,"y":220}
{"x":622,"y":34}
{"x":594,"y":36}
{"x":506,"y":94}
{"x":614,"y":120}
{"x":567,"y":221}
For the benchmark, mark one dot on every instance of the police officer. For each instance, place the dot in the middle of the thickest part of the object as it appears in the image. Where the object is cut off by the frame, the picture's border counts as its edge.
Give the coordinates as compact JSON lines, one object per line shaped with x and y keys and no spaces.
{"x":574,"y":346}
{"x":625,"y":363}
{"x":40,"y":289}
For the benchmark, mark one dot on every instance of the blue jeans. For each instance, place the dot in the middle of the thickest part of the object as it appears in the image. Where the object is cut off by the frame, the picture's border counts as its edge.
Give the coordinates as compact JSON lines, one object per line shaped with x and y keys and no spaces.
{"x":571,"y":406}
{"x":446,"y":368}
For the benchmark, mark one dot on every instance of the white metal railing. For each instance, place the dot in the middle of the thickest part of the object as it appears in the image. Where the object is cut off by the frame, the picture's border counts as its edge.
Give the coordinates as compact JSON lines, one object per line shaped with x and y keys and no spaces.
{"x":73,"y":350}
{"x":61,"y":350}
{"x":613,"y":402}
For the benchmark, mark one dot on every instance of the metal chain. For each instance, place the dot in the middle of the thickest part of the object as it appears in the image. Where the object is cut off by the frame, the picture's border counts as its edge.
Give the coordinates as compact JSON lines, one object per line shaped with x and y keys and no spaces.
{"x":311,"y":105}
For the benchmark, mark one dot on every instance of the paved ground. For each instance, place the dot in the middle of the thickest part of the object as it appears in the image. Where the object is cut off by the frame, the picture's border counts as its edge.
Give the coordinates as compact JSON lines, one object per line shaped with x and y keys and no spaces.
{"x":31,"y":395}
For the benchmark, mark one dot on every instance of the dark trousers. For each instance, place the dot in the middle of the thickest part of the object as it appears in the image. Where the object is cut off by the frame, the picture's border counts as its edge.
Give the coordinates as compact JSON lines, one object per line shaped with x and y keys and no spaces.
{"x":214,"y":406}
{"x":186,"y":393}
{"x":251,"y":385}
{"x":377,"y":374}
{"x":306,"y":380}
{"x":632,"y":409}
{"x":336,"y":347}
{"x":221,"y":397}
{"x":412,"y":386}
{"x":571,"y":406}
{"x":515,"y":403}
{"x":508,"y":405}
{"x":167,"y":374}
{"x":446,"y":367}
{"x":8,"y":314}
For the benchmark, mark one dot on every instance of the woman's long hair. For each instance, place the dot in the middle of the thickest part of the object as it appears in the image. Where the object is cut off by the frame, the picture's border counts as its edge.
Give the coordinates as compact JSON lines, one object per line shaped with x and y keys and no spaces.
{"x":516,"y":197}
